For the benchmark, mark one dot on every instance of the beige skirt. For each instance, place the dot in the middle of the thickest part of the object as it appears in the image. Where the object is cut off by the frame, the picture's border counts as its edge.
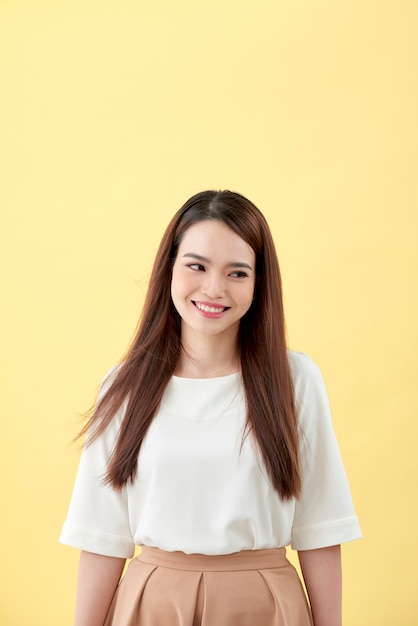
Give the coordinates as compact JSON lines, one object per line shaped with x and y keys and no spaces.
{"x":248,"y":588}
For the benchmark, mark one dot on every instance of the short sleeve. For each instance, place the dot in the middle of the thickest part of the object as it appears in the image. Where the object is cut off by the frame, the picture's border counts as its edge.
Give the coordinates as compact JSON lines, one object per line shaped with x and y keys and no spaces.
{"x":98,"y":515}
{"x":324,"y":514}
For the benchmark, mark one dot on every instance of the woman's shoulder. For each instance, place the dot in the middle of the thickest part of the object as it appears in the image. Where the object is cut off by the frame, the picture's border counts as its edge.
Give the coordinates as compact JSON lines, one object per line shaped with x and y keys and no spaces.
{"x":307,"y":378}
{"x":108,"y":379}
{"x":302,"y":366}
{"x":310,"y":390}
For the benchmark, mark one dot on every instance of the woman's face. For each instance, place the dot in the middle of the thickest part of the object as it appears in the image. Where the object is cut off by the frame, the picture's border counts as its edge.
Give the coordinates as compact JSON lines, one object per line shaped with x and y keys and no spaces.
{"x":213,"y":279}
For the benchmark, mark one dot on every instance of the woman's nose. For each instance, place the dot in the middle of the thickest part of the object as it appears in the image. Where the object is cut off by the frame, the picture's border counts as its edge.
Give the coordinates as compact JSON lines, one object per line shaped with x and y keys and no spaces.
{"x":213,"y":285}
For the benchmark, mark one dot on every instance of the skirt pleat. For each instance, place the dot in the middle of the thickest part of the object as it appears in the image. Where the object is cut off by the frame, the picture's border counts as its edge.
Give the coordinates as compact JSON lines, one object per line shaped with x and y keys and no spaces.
{"x":285,"y":587}
{"x":126,"y":603}
{"x":247,"y":588}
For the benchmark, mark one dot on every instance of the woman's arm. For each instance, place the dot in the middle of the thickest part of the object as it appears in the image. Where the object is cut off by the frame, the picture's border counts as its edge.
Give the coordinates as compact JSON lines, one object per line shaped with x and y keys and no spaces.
{"x":98,"y":577}
{"x":321,"y":571}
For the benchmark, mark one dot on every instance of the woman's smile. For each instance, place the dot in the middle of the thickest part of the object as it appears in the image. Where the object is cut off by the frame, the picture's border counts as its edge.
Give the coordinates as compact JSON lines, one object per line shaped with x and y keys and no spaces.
{"x":208,"y":309}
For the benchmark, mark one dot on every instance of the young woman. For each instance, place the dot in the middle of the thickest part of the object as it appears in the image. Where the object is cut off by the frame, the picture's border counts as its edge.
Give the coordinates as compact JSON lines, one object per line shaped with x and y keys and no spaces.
{"x":212,"y":447}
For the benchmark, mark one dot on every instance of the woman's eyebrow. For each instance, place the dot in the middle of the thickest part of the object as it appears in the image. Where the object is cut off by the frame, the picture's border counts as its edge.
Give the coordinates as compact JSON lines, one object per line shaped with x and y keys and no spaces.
{"x":194,"y":255}
{"x":199,"y":257}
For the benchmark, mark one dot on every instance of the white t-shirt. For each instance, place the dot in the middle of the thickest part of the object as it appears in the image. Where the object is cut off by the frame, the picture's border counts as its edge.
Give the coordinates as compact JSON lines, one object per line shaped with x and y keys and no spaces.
{"x":199,"y":490}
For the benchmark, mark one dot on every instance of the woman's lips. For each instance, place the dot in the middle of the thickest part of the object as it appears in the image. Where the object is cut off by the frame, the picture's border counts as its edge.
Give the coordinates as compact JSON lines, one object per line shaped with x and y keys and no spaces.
{"x":209,"y":309}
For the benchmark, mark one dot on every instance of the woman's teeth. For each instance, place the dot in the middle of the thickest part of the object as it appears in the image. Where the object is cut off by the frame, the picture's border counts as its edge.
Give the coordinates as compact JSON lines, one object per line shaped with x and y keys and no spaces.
{"x":210,"y":309}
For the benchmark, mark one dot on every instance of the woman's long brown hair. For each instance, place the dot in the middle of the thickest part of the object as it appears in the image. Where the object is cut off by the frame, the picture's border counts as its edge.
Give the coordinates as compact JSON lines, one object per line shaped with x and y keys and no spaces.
{"x":142,"y":377}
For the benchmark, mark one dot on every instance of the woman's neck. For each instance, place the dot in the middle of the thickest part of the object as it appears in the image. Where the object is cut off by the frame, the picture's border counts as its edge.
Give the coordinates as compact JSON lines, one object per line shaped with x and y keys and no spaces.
{"x":208,"y":357}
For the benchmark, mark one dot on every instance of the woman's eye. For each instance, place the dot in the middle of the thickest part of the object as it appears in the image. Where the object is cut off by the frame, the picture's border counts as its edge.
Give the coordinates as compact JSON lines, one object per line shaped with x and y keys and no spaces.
{"x":197,"y":267}
{"x":239,"y":274}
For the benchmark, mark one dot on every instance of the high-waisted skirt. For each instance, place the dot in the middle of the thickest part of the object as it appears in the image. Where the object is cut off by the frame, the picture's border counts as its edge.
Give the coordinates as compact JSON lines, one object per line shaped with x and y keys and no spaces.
{"x":249,"y":588}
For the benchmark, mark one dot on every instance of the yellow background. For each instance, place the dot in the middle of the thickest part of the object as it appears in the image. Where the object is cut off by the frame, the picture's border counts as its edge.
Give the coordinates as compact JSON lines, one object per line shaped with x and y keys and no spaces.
{"x":112,"y":114}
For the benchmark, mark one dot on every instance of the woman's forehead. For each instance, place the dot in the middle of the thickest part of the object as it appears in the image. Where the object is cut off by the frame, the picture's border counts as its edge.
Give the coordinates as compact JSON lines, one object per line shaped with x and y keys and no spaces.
{"x":209,"y":238}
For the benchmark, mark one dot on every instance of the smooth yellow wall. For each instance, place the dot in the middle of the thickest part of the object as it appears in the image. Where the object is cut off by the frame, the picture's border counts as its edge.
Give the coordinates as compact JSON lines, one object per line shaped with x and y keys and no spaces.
{"x":114,"y":112}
